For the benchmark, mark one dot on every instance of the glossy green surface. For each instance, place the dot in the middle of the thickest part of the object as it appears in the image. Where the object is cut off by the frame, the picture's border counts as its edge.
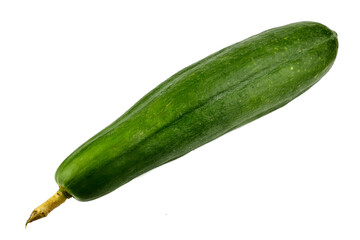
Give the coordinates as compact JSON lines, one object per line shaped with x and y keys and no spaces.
{"x":224,"y":91}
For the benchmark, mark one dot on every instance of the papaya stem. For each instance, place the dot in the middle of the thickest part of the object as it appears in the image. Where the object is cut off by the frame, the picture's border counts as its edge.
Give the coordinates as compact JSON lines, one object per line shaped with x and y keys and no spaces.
{"x":53,"y":202}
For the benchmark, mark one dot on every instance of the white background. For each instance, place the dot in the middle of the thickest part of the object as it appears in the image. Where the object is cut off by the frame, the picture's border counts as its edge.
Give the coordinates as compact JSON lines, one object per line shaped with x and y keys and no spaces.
{"x":69,"y":68}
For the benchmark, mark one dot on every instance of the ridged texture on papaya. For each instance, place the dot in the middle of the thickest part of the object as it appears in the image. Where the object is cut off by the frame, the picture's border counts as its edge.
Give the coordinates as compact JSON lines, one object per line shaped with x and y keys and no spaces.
{"x":200,"y":103}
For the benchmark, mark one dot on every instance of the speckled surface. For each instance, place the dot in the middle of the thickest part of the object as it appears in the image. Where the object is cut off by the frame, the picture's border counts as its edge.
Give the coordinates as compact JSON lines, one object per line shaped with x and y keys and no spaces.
{"x":209,"y":98}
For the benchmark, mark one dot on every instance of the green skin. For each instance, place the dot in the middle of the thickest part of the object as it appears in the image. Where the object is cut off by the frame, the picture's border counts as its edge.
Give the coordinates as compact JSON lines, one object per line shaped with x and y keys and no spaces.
{"x":211,"y":97}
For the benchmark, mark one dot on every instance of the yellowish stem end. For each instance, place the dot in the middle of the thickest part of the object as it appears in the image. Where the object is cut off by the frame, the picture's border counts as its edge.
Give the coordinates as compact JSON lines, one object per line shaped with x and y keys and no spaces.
{"x":44,"y":209}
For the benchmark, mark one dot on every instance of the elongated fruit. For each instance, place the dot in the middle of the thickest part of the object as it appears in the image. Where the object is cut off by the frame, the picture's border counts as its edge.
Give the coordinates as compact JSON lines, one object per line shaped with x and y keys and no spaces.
{"x":209,"y":98}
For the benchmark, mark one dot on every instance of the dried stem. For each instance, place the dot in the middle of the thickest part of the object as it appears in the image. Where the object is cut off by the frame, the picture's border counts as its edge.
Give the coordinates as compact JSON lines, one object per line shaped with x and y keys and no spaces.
{"x":44,"y":209}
